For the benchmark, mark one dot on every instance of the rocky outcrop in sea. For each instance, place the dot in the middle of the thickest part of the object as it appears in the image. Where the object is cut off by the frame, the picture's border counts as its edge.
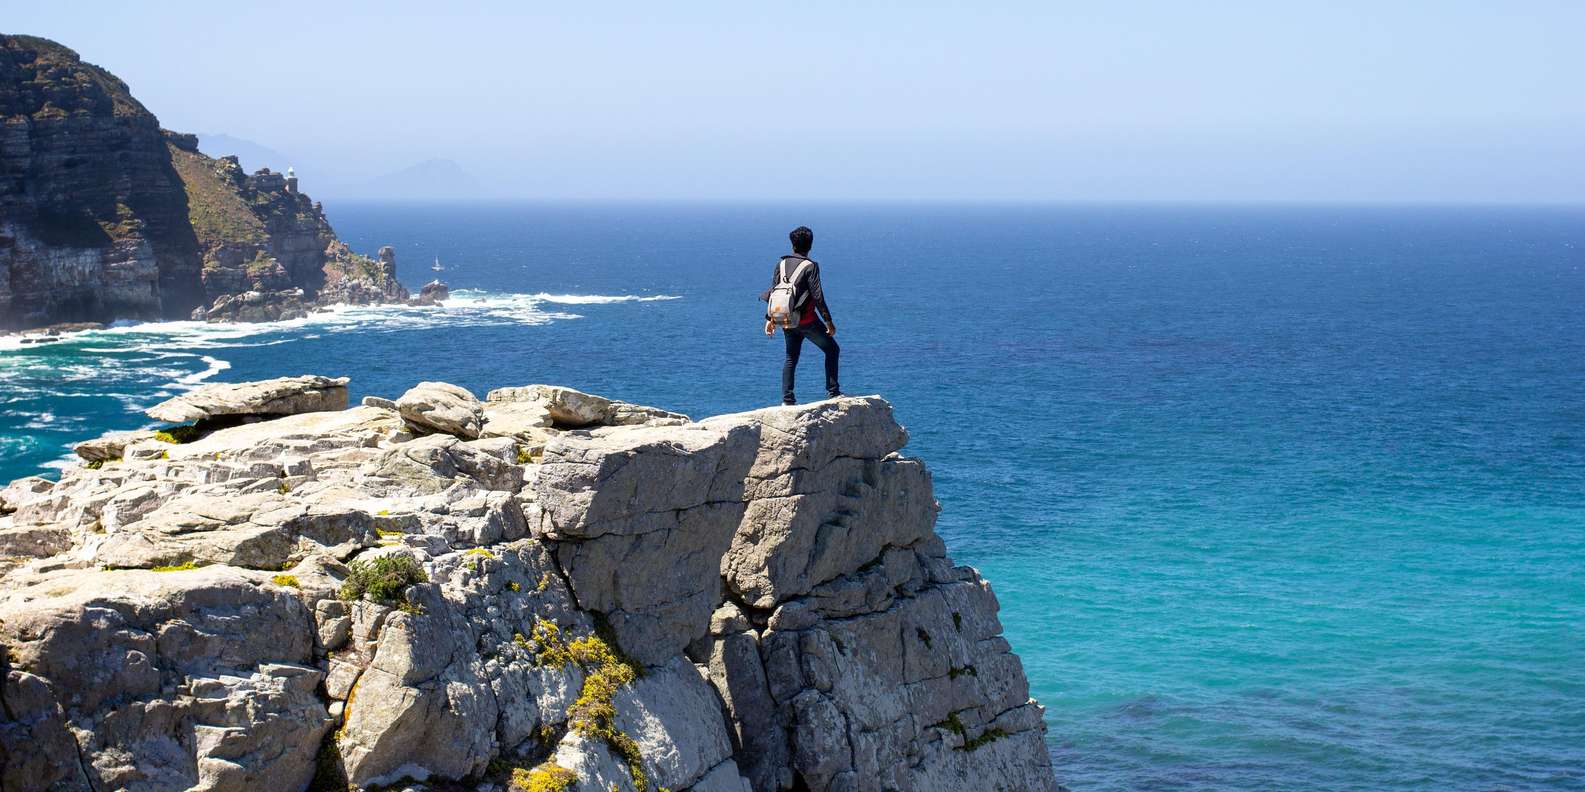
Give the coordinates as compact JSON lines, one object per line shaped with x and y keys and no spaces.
{"x":104,"y":215}
{"x":542,"y":590}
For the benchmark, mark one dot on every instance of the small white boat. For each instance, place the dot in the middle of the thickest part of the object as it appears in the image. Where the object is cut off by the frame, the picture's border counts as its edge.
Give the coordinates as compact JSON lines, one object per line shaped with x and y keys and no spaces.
{"x":437,"y":266}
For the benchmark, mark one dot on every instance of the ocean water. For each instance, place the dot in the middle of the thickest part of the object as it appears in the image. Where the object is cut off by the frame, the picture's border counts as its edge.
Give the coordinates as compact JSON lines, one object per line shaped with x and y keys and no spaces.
{"x":1273,"y":498}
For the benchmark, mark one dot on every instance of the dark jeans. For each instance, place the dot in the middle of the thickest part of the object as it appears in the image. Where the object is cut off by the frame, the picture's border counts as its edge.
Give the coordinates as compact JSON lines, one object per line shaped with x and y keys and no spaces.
{"x":816,"y":333}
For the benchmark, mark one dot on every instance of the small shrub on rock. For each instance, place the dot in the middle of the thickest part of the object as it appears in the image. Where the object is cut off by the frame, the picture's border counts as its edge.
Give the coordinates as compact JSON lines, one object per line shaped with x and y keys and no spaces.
{"x":383,"y":579}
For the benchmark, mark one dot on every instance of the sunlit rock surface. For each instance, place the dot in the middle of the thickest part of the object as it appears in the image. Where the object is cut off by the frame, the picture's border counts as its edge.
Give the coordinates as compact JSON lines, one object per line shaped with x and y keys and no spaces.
{"x":441,"y":592}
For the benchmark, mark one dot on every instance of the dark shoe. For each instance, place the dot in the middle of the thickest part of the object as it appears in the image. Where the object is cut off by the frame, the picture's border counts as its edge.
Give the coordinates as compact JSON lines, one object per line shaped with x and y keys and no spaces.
{"x":835,"y":395}
{"x":789,"y":402}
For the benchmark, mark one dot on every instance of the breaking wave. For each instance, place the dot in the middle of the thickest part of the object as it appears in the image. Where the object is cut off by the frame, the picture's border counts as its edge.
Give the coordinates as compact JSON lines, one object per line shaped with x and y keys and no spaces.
{"x":112,"y":374}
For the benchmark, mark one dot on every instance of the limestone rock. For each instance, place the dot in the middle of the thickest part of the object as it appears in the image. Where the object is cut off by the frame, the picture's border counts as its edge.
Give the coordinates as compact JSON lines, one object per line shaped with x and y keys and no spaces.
{"x":13,"y":494}
{"x":292,"y":437}
{"x":442,"y":407}
{"x":174,"y":620}
{"x":567,"y":407}
{"x":448,"y":687}
{"x":647,"y":557}
{"x":37,"y":751}
{"x":526,"y":421}
{"x":32,"y":541}
{"x":135,"y":658}
{"x":673,"y":716}
{"x":574,"y":409}
{"x":110,"y":447}
{"x":625,"y":414}
{"x":282,"y":396}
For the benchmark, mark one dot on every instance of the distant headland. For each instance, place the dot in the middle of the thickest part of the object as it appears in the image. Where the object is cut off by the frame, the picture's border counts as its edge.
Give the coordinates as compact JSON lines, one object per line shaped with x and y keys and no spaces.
{"x":104,"y":215}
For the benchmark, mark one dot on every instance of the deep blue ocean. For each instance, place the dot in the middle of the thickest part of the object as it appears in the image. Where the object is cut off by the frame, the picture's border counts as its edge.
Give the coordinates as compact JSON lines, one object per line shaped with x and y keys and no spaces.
{"x":1273,"y":498}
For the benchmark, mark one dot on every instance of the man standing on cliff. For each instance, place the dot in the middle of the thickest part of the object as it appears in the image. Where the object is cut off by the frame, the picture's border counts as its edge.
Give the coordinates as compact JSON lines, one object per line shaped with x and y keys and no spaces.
{"x":797,"y":279}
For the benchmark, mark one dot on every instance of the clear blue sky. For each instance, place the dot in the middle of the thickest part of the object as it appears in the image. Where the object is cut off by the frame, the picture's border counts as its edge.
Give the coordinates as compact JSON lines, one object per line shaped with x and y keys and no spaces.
{"x":1389,"y":100}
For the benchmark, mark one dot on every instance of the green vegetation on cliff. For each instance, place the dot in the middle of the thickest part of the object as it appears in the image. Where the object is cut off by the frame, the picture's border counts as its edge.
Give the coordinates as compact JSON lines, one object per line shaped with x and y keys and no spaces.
{"x":215,"y":208}
{"x":383,"y":579}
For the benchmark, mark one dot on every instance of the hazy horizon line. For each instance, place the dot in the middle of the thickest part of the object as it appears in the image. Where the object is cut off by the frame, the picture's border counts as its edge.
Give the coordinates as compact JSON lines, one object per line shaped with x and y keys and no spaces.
{"x":953,"y":201}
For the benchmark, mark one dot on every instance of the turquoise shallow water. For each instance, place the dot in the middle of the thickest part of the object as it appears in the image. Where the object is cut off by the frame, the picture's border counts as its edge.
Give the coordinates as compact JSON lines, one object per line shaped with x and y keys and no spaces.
{"x":1273,"y":498}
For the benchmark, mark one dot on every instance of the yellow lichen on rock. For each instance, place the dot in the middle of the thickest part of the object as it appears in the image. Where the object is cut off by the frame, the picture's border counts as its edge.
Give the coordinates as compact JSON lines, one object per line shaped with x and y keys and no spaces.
{"x":548,"y":777}
{"x":593,"y":714}
{"x":550,"y":649}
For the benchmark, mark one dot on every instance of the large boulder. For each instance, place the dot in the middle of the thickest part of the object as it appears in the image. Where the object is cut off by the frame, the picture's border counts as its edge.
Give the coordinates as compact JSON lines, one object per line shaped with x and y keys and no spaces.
{"x":267,"y":398}
{"x":23,"y":489}
{"x":574,"y":409}
{"x":440,"y":407}
{"x":626,"y":414}
{"x":567,"y":407}
{"x":527,"y":421}
{"x":646,"y":556}
{"x":453,"y":681}
{"x":195,"y":679}
{"x":110,"y":447}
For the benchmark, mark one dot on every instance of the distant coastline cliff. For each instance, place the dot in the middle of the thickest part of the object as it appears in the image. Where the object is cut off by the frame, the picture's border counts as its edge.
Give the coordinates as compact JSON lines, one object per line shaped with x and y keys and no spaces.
{"x":104,"y":215}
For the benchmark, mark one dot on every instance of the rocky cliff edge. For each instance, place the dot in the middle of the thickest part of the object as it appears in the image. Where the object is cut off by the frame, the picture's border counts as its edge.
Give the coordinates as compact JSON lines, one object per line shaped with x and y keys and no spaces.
{"x":545,"y":590}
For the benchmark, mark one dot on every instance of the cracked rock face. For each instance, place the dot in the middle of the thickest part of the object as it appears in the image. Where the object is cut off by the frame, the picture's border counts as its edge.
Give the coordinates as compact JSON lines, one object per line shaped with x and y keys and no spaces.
{"x":444,"y":592}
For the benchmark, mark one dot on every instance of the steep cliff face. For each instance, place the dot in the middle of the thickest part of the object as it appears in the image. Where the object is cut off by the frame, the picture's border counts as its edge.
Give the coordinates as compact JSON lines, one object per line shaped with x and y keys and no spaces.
{"x":103,"y":215}
{"x":93,"y":217}
{"x":546,"y":590}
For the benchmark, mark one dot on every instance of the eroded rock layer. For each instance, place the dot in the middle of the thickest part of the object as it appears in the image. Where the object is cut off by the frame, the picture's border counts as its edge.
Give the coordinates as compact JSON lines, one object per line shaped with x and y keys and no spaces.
{"x":590,"y":595}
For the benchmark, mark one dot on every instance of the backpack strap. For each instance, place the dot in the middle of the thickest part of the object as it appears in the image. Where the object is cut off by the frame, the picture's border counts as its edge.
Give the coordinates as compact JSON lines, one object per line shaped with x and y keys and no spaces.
{"x":797,"y":273}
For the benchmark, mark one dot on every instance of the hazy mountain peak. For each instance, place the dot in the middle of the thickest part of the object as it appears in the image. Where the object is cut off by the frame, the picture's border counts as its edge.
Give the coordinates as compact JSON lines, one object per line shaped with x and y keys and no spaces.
{"x":430,"y":179}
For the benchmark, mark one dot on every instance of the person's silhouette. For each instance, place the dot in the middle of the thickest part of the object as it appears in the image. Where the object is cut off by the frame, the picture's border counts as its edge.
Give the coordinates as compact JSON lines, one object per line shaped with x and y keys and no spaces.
{"x":809,"y":299}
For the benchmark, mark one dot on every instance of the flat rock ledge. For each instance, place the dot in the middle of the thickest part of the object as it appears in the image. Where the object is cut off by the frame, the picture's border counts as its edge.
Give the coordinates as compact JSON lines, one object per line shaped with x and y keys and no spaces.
{"x":545,"y":589}
{"x":267,"y":398}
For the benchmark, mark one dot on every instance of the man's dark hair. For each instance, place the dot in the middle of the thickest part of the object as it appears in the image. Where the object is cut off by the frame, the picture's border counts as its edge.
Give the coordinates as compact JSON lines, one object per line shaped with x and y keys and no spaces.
{"x":802,"y":239}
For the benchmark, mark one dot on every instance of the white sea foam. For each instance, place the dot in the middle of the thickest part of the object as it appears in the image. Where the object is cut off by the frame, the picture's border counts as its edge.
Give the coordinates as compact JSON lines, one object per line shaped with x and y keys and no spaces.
{"x":215,"y":367}
{"x":601,"y":299}
{"x":152,"y":361}
{"x":465,"y":308}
